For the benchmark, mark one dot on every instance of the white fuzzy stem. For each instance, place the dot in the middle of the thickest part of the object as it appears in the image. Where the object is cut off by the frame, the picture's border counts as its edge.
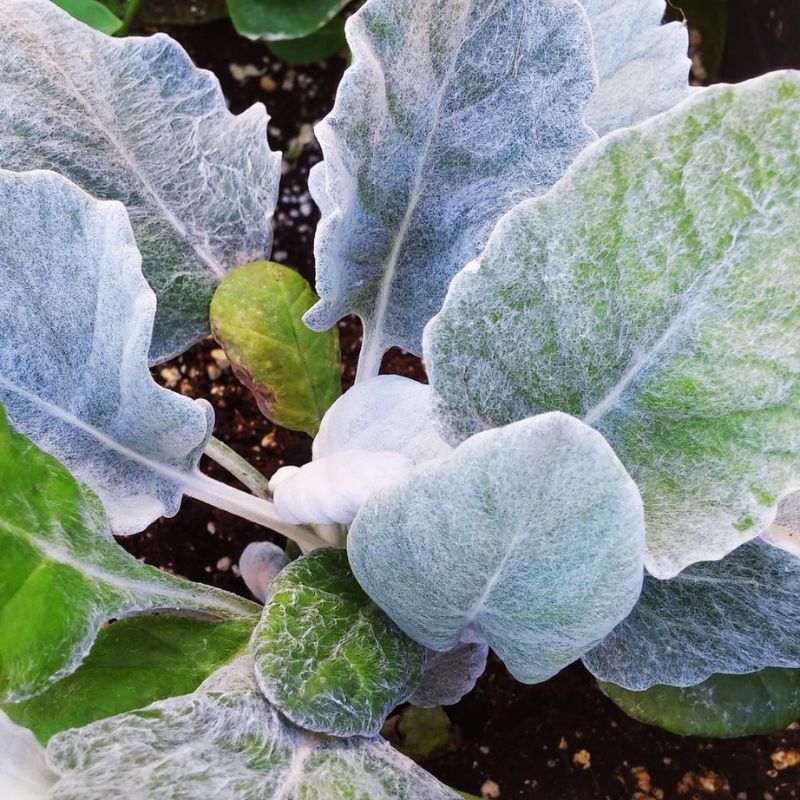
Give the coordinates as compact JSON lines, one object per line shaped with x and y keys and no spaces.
{"x":240,"y":468}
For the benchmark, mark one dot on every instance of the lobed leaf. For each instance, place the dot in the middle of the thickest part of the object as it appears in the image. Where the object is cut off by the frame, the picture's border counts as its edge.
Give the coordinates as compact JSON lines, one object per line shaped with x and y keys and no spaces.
{"x":723,"y":706}
{"x":293,"y":372}
{"x":328,"y":41}
{"x":225,"y":740}
{"x":643,"y":65}
{"x":76,"y":316}
{"x":62,"y":575}
{"x":654,"y":293}
{"x":259,"y":563}
{"x":133,"y":663}
{"x":276,"y":20}
{"x":133,"y":120}
{"x":528,"y":537}
{"x":326,"y":655}
{"x":451,"y":113}
{"x":734,"y":616}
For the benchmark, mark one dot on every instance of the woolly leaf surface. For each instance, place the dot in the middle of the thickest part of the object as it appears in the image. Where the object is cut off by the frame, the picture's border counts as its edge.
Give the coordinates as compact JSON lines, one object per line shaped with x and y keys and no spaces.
{"x":643,"y":65}
{"x":226,"y":740}
{"x":293,"y":372}
{"x":449,"y":676}
{"x":387,"y":412}
{"x":450,"y":114}
{"x":62,"y":575}
{"x":77,"y":316}
{"x":24,"y":774}
{"x":653,"y":293}
{"x":528,"y":537}
{"x":734,"y":616}
{"x":134,"y":662}
{"x":722,"y":706}
{"x":326,"y":655}
{"x":133,"y":120}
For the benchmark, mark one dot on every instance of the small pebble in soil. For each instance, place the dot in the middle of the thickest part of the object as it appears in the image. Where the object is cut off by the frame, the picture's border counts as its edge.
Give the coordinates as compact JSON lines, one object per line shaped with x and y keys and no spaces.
{"x":224,"y":564}
{"x":783,"y":759}
{"x":582,"y":759}
{"x":694,"y":784}
{"x":490,"y":790}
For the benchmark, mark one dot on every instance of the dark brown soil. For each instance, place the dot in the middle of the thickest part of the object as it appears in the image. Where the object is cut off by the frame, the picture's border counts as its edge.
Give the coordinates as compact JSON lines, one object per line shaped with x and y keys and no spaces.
{"x":562,"y":740}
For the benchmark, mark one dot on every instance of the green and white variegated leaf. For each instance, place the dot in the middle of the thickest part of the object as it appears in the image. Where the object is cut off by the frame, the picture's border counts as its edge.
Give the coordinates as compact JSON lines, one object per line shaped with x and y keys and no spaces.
{"x":643,"y":65}
{"x":449,"y":676}
{"x":528,"y":537}
{"x":76,"y":317}
{"x":133,"y":120}
{"x":733,"y":616}
{"x":227,"y":741}
{"x":451,"y":113}
{"x":653,"y":293}
{"x":24,"y":774}
{"x":326,"y":655}
{"x":62,"y":575}
{"x":388,"y":412}
{"x":723,"y":706}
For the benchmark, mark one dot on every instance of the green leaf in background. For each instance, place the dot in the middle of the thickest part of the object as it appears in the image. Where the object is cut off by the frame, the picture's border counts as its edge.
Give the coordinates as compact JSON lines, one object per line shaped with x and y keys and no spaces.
{"x":723,"y":706}
{"x":419,"y":733}
{"x":133,"y":663}
{"x":172,"y":12}
{"x":326,"y":655}
{"x":62,"y":575}
{"x":327,"y":41}
{"x":654,"y":293}
{"x":294,"y":373}
{"x":282,"y":19}
{"x":708,"y":22}
{"x":224,"y":741}
{"x":93,"y":13}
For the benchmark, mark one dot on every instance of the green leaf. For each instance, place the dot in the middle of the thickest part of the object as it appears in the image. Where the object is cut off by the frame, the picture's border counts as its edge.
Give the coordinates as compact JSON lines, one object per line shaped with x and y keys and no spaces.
{"x":326,"y":655}
{"x":282,"y":19}
{"x":293,"y":372}
{"x":419,"y":733}
{"x":133,"y":663}
{"x":91,"y":13}
{"x":724,"y":706}
{"x":170,"y":12}
{"x":327,"y":41}
{"x":62,"y":575}
{"x":653,"y":293}
{"x":226,"y":741}
{"x":528,"y":537}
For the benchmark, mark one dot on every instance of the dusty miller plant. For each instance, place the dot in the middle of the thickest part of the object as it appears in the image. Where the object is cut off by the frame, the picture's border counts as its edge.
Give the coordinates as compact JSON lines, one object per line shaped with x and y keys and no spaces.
{"x":601,"y":268}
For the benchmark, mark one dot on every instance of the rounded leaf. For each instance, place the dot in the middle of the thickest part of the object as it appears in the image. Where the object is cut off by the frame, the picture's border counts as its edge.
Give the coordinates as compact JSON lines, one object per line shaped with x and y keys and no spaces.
{"x":326,"y":655}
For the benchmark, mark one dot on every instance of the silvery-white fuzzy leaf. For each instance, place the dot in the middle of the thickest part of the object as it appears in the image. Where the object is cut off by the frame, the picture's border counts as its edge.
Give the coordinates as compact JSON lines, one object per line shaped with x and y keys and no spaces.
{"x":733,"y":616}
{"x":133,"y":120}
{"x":75,"y":321}
{"x":653,"y":293}
{"x":387,"y":412}
{"x":449,"y":676}
{"x":226,"y":741}
{"x":24,"y":774}
{"x":332,"y":489}
{"x":450,"y":114}
{"x":528,"y":537}
{"x":643,"y":65}
{"x":259,"y":563}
